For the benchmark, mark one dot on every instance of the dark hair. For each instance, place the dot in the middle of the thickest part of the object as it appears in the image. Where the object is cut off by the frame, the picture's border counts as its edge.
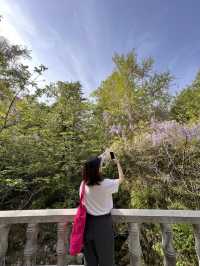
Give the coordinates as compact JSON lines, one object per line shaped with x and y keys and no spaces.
{"x":91,"y":174}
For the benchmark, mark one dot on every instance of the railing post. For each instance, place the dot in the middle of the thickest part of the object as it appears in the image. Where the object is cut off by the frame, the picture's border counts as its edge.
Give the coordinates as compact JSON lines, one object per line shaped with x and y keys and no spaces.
{"x":61,"y":244}
{"x":4,"y":231}
{"x":134,"y":244}
{"x":167,"y":243}
{"x":31,"y":244}
{"x":196,"y":228}
{"x":68,"y":233}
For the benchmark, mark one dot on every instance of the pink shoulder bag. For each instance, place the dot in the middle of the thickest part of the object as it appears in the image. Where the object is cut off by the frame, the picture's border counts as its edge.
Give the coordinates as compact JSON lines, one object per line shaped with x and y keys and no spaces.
{"x":77,"y":234}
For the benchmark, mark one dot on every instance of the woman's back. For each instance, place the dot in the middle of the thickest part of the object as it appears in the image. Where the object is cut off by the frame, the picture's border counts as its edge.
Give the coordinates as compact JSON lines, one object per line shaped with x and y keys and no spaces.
{"x":98,"y":198}
{"x":99,"y":235}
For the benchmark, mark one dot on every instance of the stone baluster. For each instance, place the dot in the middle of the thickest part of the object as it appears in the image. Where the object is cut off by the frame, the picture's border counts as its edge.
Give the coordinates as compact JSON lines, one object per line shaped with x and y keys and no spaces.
{"x":167,"y":243}
{"x":68,"y":233}
{"x":4,"y":231}
{"x":134,"y":244}
{"x":31,"y":244}
{"x":197,"y":240}
{"x":61,"y":244}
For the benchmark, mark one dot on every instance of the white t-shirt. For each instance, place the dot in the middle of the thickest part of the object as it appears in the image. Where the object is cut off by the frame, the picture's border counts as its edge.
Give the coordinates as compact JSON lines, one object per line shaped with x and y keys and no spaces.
{"x":98,"y":198}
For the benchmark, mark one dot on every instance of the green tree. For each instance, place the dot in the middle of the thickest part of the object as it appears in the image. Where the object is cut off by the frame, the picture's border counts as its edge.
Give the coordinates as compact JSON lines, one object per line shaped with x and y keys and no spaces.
{"x":41,"y":155}
{"x":16,"y":80}
{"x":132,"y":95}
{"x":185,"y":107}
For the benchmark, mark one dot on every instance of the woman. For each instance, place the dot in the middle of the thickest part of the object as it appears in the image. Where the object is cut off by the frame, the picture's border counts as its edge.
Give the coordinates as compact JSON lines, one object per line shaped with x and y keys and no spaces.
{"x":99,"y":235}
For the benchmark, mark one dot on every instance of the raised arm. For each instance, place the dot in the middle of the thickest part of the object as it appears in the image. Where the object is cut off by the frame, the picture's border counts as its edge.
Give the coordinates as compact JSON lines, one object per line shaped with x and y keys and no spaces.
{"x":120,"y":172}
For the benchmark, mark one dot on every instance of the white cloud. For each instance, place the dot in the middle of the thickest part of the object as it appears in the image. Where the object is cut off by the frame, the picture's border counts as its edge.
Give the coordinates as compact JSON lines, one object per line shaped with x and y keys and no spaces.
{"x":6,"y":28}
{"x":64,"y":57}
{"x":16,"y":27}
{"x":69,"y":58}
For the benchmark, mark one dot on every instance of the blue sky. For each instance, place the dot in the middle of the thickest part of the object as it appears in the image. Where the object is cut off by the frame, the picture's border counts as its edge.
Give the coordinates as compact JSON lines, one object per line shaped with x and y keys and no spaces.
{"x":76,"y":39}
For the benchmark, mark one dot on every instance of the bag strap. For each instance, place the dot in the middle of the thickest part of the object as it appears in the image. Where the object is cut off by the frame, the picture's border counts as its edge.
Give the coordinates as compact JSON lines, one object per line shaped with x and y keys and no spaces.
{"x":82,"y":192}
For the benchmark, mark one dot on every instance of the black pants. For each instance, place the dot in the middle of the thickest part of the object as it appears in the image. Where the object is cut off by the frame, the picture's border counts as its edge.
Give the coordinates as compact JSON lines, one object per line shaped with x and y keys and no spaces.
{"x":99,"y":241}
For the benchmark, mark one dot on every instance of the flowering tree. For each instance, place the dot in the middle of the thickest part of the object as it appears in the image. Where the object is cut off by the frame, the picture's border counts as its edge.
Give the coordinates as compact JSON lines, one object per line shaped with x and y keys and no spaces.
{"x":173,"y":132}
{"x":162,"y":166}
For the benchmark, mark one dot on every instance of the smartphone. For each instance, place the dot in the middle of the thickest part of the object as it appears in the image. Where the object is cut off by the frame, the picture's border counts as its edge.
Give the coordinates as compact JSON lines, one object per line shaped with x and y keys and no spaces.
{"x":112,"y":155}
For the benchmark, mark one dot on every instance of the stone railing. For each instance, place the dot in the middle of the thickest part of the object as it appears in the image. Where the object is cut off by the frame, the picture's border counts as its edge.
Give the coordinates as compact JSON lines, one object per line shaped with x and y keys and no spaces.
{"x":134,"y":217}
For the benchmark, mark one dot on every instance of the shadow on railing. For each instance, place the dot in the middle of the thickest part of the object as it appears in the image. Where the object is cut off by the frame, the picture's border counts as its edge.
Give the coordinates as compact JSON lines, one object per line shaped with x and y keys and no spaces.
{"x":134,"y":217}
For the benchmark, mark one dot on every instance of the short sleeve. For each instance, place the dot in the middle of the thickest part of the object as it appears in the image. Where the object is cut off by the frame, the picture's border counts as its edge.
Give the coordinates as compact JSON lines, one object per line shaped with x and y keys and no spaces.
{"x":80,"y":188}
{"x":112,"y":185}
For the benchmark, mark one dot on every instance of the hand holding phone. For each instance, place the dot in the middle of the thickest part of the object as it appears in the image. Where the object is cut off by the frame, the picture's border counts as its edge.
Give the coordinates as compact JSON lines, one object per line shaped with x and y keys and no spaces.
{"x":112,"y":155}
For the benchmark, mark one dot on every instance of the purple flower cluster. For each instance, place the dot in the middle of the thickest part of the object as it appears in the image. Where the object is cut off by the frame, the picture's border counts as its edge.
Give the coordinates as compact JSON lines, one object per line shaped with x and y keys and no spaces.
{"x":105,"y":116}
{"x":113,"y":129}
{"x":172,"y":132}
{"x":116,"y":129}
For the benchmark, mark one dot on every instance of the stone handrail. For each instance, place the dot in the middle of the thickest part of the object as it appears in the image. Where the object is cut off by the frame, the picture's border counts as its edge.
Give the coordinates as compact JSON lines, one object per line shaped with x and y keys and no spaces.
{"x":134,"y":217}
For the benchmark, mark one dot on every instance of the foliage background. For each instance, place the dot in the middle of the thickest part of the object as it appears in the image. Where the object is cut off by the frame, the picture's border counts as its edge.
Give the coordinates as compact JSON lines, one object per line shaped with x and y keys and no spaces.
{"x":155,"y":135}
